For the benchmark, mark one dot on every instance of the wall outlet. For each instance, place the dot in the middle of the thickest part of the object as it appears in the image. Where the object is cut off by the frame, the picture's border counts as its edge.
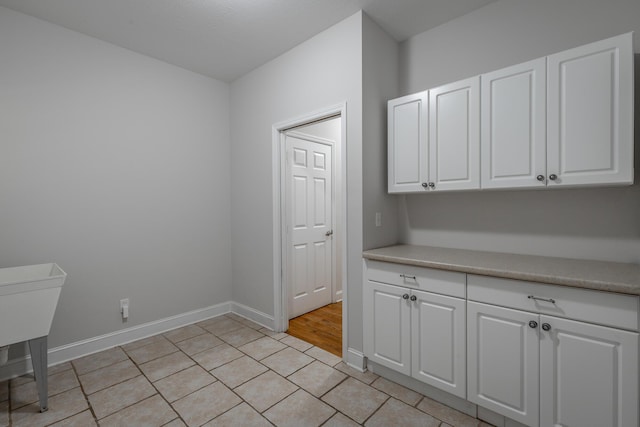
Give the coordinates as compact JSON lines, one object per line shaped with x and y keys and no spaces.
{"x":378,"y":219}
{"x":124,"y":308}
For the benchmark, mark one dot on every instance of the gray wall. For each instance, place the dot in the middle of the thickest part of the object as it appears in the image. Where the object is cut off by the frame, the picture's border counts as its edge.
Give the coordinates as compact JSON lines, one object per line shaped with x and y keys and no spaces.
{"x":323,"y":71}
{"x":115,"y":166}
{"x":601,"y":223}
{"x":380,"y":81}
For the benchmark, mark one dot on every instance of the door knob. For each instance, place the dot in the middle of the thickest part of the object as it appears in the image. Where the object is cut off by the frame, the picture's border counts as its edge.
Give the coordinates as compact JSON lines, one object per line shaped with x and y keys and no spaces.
{"x":540,"y":178}
{"x":553,"y":177}
{"x":533,"y":324}
{"x":546,"y":326}
{"x":405,"y":296}
{"x":425,"y":185}
{"x":432,"y":185}
{"x":413,"y":298}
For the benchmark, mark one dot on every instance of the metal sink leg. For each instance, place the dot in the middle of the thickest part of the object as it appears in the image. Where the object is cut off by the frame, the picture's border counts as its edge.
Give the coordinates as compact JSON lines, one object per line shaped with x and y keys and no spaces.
{"x":38,"y":349}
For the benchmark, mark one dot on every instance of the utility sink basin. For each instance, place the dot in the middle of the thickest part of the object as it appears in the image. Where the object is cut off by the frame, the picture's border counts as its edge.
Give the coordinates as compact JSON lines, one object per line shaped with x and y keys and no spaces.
{"x":28,"y":299}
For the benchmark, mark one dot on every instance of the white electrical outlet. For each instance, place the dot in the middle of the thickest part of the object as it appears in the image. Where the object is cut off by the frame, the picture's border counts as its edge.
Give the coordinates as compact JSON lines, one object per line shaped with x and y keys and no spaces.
{"x":378,"y":219}
{"x":124,"y":308}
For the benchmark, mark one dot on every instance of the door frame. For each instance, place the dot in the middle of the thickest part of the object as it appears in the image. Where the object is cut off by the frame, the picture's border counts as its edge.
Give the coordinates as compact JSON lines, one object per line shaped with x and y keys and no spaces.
{"x":281,"y":297}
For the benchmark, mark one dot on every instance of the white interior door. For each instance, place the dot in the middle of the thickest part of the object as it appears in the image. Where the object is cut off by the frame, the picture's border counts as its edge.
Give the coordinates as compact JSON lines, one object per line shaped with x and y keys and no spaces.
{"x":309,"y":202}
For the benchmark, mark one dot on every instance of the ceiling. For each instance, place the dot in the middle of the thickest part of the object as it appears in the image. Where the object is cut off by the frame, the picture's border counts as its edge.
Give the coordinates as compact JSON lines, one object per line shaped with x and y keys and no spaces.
{"x":225,"y":39}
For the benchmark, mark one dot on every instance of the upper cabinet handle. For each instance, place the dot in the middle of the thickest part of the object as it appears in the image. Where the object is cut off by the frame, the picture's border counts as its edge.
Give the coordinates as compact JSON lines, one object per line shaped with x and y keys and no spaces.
{"x":404,"y":276}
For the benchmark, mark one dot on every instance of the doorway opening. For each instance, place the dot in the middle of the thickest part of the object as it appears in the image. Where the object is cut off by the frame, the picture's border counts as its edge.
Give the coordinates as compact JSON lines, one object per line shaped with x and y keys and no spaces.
{"x":312,"y":245}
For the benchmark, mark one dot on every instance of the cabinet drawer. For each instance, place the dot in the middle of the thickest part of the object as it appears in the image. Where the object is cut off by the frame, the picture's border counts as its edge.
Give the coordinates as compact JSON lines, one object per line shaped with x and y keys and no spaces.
{"x":603,"y":308}
{"x":426,"y":279}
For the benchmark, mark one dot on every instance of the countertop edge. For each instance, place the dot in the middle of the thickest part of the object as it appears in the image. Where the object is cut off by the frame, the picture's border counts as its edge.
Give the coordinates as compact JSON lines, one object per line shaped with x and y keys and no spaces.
{"x":597,"y":285}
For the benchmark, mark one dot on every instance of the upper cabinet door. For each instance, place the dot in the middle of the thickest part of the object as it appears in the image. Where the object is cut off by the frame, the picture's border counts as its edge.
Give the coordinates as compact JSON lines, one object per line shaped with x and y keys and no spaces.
{"x":513,"y":140}
{"x":590,"y":114}
{"x":454,"y":135}
{"x":407,"y":143}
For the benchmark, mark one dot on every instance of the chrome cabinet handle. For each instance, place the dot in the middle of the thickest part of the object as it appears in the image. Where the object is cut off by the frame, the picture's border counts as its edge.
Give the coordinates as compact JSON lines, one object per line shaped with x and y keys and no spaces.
{"x":533,"y":324}
{"x":405,"y":296}
{"x":425,"y":185}
{"x":404,"y":276}
{"x":540,"y":178}
{"x":551,"y":300}
{"x":553,"y":177}
{"x":546,"y":326}
{"x":432,"y":185}
{"x":413,"y":298}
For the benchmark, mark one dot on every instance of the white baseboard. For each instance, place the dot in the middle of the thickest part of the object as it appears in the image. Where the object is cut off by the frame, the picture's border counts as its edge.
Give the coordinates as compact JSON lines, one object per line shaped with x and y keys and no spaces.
{"x":254,"y":315}
{"x":356,"y":360}
{"x":20,"y":366}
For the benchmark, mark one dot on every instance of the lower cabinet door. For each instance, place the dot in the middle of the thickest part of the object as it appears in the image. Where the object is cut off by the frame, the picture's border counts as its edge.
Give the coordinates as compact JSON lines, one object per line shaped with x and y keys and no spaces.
{"x":387,"y":326}
{"x":438,"y":342}
{"x":502,"y":361}
{"x":588,"y":375}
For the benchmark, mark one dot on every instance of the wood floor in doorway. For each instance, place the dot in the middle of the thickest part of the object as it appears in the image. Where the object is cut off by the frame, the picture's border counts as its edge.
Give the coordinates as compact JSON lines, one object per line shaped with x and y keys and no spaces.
{"x":321,"y":327}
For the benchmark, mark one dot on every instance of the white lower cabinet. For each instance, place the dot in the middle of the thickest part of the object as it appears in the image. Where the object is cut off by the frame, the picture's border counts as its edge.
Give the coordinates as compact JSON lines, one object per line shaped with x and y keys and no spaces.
{"x":538,"y":354}
{"x":502,"y":364}
{"x":438,"y":342}
{"x":588,"y":375}
{"x":417,"y":333}
{"x":548,"y":371}
{"x":387,"y":326}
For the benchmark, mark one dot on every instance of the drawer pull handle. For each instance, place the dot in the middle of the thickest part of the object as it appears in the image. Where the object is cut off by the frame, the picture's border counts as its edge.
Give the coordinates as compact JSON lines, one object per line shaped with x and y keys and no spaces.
{"x":551,"y":300}
{"x":404,"y":276}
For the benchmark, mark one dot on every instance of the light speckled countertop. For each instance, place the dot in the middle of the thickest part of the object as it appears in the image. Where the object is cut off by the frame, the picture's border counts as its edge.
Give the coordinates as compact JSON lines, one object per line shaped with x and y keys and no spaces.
{"x":598,"y":275}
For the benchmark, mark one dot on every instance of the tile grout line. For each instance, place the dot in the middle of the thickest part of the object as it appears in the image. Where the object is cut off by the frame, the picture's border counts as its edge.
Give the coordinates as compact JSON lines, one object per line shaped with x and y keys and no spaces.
{"x":244,"y":353}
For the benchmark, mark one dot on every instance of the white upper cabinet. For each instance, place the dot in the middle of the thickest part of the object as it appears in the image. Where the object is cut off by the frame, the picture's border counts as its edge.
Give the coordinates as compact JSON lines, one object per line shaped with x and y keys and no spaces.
{"x":590,"y":114}
{"x":407,"y":143}
{"x":563,"y":120}
{"x":454,"y":136}
{"x":513,"y":141}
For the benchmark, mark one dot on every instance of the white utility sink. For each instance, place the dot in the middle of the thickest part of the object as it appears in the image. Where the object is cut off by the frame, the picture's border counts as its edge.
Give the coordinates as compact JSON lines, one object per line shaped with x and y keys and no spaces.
{"x":28,"y":299}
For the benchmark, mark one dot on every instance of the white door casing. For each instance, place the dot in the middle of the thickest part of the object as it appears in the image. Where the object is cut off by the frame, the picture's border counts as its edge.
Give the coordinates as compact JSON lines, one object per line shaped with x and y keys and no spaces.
{"x":309,"y":200}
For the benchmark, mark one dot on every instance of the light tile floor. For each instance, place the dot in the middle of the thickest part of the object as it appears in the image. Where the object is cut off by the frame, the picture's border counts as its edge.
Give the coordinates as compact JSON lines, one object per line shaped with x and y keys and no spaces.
{"x":225,"y":371}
